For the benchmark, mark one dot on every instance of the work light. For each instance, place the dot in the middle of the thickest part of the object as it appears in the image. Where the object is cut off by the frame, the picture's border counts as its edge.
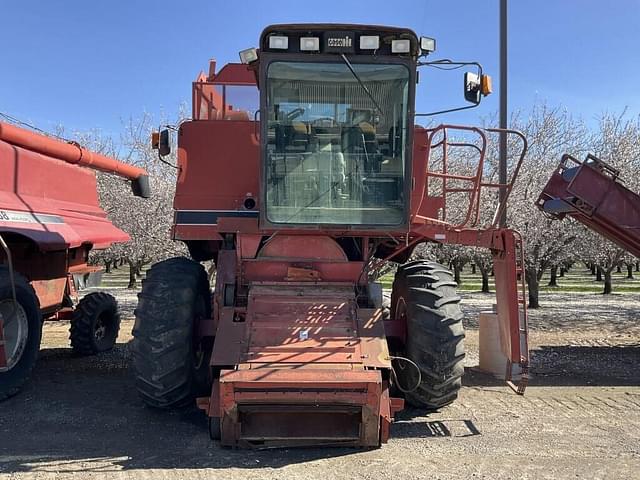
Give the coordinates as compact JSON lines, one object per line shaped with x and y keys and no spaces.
{"x":427,"y":45}
{"x":278,"y":42}
{"x":400,"y":46}
{"x":309,"y":44}
{"x":369,"y":42}
{"x":249,"y":55}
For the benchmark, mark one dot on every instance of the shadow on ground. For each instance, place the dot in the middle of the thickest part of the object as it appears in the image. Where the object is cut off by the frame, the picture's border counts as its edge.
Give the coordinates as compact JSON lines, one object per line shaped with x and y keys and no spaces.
{"x":563,"y":365}
{"x":617,"y":313}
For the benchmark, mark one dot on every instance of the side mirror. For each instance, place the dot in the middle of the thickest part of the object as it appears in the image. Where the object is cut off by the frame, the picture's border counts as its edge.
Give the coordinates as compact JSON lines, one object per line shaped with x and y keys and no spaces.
{"x":472,"y":88}
{"x":476,"y":86}
{"x":164,"y":143}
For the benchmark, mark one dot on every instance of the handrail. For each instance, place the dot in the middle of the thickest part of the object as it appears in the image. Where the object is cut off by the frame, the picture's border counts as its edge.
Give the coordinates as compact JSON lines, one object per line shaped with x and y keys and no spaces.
{"x":472,"y":216}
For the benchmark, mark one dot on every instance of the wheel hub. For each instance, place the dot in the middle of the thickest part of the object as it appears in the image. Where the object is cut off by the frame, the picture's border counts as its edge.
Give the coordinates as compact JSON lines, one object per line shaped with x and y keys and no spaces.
{"x":16,"y":331}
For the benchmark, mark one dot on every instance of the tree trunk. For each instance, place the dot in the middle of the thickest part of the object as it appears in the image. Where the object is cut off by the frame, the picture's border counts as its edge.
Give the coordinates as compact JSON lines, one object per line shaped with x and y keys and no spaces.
{"x":630,"y":271}
{"x":107,"y":266}
{"x":473,"y":268}
{"x":553,"y":281}
{"x":618,"y":269}
{"x":485,"y":281}
{"x":132,"y":275}
{"x":532,"y":283}
{"x":139,"y":266}
{"x":456,"y":273}
{"x":598,"y":274}
{"x":493,"y":273}
{"x":593,"y":269}
{"x":637,"y":266}
{"x":607,"y":282}
{"x":562,"y":271}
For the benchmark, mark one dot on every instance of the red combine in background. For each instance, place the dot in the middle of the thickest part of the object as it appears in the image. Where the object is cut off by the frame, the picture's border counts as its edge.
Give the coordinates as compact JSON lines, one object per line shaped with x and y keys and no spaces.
{"x":592,"y":193}
{"x":50,"y":219}
{"x":299,"y":174}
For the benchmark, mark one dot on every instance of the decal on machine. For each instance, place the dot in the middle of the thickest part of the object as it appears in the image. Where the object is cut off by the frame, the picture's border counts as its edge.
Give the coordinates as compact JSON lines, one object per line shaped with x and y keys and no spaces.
{"x":28,"y":217}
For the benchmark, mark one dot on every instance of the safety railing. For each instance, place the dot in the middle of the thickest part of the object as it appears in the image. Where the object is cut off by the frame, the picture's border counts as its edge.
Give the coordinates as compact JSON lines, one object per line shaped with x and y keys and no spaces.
{"x":441,"y":138}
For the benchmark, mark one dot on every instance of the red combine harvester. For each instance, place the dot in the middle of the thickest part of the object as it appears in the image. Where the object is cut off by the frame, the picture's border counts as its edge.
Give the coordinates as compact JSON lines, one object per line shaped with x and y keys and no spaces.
{"x":50,"y":219}
{"x":591,"y":193}
{"x":298,"y":199}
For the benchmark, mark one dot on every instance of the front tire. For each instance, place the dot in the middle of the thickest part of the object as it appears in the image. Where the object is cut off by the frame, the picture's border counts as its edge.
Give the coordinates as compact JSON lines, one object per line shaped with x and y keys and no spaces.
{"x":95,"y":324}
{"x":22,"y":332}
{"x":170,"y":367}
{"x":424,"y":294}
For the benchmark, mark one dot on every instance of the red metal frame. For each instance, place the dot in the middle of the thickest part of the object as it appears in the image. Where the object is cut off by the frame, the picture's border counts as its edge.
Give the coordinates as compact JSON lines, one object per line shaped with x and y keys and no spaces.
{"x":591,"y":192}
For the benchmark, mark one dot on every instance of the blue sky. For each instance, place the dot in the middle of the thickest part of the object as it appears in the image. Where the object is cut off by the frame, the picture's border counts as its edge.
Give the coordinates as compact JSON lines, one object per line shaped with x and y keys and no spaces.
{"x":89,"y":64}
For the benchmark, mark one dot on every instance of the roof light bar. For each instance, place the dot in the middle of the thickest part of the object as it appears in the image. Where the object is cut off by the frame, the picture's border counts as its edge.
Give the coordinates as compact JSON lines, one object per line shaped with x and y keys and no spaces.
{"x":309,"y":44}
{"x":278,"y":42}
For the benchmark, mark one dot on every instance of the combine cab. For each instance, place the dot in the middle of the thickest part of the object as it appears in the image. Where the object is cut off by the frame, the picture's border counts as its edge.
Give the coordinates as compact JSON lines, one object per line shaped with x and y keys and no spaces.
{"x":50,"y":219}
{"x":298,"y":190}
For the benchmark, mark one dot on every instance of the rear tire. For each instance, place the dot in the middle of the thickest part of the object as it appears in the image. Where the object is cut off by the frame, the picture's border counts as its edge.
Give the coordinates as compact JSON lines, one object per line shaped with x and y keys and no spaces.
{"x":424,"y":293}
{"x":23,"y":349}
{"x":170,"y":368}
{"x":95,"y":324}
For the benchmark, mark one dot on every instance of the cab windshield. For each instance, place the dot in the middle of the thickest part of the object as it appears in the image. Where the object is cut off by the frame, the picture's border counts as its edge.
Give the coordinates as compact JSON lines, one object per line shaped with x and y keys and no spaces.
{"x":336,"y":144}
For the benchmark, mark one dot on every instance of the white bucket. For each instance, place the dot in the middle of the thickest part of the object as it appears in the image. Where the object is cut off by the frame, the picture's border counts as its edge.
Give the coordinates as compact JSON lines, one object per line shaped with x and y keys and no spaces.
{"x":492,"y":359}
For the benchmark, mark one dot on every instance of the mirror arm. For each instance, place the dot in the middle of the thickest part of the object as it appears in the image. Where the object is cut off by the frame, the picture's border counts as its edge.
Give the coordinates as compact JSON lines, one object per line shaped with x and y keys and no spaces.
{"x":446,"y":64}
{"x":443,"y":63}
{"x":446,"y":111}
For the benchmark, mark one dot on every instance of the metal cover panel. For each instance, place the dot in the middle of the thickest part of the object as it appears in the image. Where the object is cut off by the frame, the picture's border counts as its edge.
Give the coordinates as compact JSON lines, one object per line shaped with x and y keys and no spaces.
{"x":373,"y":342}
{"x":301,"y":324}
{"x":230,"y":340}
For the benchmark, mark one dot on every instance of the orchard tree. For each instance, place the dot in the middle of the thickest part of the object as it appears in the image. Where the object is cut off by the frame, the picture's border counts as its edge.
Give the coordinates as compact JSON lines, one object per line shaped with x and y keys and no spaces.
{"x":550,"y":133}
{"x":147,"y":221}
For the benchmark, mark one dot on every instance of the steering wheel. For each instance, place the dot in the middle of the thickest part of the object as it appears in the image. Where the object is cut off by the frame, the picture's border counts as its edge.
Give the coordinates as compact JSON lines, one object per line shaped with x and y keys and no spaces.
{"x":293,"y":114}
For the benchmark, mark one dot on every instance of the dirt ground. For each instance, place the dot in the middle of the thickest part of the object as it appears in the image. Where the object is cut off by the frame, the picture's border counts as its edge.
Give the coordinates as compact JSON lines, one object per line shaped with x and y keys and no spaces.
{"x":580,"y":418}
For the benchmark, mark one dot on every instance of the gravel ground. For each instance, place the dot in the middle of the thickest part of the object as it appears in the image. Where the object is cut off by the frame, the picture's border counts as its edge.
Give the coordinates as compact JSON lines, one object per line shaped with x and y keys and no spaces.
{"x":580,"y":418}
